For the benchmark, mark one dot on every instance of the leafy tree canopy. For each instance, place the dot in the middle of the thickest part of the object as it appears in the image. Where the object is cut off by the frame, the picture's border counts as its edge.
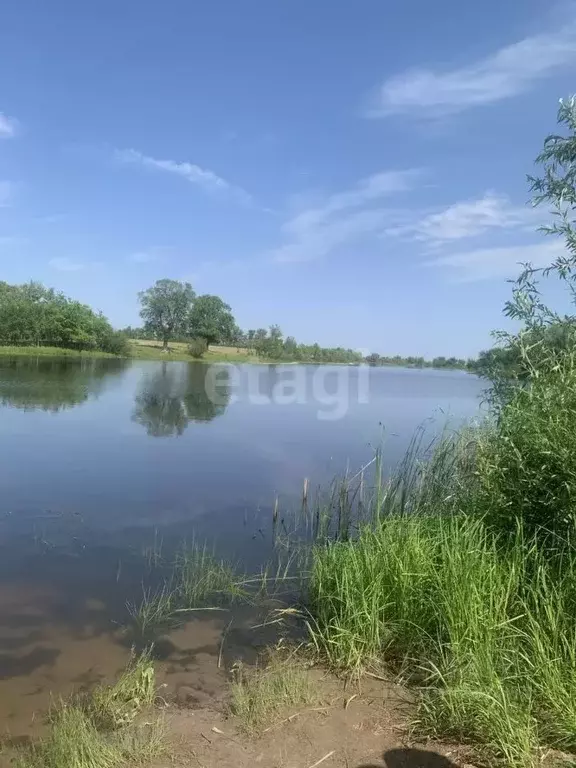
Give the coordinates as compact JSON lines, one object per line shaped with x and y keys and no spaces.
{"x":211,"y":319}
{"x":33,"y":314}
{"x":166,"y":308}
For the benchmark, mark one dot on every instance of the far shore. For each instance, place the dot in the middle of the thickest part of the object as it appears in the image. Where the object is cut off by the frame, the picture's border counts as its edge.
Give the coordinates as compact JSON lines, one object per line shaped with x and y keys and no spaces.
{"x":177,"y":352}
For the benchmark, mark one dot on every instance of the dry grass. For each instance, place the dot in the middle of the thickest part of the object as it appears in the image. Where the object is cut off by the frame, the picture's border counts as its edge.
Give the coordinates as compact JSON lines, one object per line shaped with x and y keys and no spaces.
{"x":262,"y":695}
{"x":178,"y":351}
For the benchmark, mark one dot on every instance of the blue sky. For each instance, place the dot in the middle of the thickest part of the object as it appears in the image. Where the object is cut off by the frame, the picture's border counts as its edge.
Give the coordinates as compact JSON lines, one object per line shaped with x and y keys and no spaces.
{"x":352,"y":171}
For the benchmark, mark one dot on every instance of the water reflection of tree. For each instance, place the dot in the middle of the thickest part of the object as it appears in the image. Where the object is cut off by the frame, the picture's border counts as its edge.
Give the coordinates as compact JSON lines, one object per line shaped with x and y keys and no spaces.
{"x":47,"y":384}
{"x":177,"y":394}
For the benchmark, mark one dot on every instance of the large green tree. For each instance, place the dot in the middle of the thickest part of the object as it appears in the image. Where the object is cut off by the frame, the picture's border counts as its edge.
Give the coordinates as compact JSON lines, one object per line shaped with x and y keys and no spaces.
{"x":546,"y":336}
{"x":166,"y":308}
{"x":211,"y":319}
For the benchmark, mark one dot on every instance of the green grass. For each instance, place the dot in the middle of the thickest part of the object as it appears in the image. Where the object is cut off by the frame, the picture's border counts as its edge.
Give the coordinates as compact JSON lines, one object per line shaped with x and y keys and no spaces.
{"x":101,"y":730}
{"x":260,"y":696}
{"x":199,"y":577}
{"x":139,"y":349}
{"x":73,"y":742}
{"x":178,"y":351}
{"x":154,"y":614}
{"x":51,"y":352}
{"x":196,"y":581}
{"x":459,"y":575}
{"x":115,"y":706}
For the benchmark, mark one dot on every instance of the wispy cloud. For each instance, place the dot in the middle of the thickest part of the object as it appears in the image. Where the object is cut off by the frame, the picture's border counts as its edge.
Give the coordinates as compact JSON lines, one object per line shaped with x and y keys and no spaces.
{"x":507,"y":72}
{"x":8,"y":126}
{"x":142,"y":257}
{"x":470,"y":218}
{"x":52,"y":218}
{"x":6,"y":189}
{"x":342,"y":217}
{"x":489,"y":263}
{"x":63,"y":264}
{"x":202,"y":177}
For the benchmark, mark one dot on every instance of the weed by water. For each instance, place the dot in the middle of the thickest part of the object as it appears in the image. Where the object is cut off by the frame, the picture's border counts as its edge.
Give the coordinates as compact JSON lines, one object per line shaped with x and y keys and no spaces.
{"x":199,"y":577}
{"x":262,"y":694}
{"x":73,"y":742}
{"x":101,"y":730}
{"x":115,"y":706}
{"x":154,"y":614}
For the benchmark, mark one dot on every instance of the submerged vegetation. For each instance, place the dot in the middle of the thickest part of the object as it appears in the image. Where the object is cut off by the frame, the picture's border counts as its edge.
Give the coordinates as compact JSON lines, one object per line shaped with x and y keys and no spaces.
{"x":194,"y":580}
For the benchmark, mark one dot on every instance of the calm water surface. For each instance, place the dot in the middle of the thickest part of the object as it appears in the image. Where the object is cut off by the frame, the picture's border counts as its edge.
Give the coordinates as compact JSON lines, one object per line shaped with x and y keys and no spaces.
{"x":101,"y":457}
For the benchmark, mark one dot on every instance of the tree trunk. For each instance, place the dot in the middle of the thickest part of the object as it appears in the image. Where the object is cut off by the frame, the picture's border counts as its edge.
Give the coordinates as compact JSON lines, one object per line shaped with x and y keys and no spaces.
{"x":165,"y":345}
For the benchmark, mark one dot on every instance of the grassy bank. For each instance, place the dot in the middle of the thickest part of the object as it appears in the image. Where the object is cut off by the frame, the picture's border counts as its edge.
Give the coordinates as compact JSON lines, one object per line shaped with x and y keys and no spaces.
{"x":152,"y":350}
{"x":50,"y":352}
{"x":139,"y":350}
{"x":463,"y":579}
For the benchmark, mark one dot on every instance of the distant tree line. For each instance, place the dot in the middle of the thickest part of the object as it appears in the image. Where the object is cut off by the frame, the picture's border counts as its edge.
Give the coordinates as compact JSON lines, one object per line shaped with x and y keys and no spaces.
{"x":31,"y":314}
{"x":273,"y":345}
{"x":421,"y":362}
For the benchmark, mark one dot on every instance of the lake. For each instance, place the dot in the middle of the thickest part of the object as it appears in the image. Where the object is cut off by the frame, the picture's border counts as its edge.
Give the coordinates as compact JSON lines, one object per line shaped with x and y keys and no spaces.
{"x":102,"y":460}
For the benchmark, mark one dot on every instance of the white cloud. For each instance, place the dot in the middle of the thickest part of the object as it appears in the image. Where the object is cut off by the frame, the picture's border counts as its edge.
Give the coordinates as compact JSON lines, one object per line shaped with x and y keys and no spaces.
{"x":8,"y":126}
{"x":52,"y":218}
{"x":6,"y":189}
{"x":507,"y":72}
{"x":488,"y":263}
{"x":202,"y":177}
{"x":470,"y":218}
{"x":62,"y":264}
{"x":342,"y":217}
{"x":142,"y":257}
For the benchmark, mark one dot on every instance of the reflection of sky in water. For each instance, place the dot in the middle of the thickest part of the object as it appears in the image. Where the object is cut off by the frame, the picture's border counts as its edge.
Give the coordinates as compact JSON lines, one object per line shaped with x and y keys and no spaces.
{"x":147,"y":447}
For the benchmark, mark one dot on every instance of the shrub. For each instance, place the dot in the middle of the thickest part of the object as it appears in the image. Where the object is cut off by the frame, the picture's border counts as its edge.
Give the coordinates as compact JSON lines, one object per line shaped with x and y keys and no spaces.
{"x":116,"y":343}
{"x":197,"y":348}
{"x":527,"y":469}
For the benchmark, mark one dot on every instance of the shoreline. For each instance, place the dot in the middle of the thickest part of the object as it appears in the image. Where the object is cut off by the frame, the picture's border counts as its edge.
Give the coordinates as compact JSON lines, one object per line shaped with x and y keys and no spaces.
{"x":177,"y":354}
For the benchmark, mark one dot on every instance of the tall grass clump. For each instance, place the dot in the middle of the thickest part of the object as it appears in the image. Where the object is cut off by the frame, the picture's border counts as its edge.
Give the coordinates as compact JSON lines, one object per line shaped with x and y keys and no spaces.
{"x":483,"y":625}
{"x":199,"y":577}
{"x":194,"y":581}
{"x":115,"y":706}
{"x":101,"y":729}
{"x":73,"y":742}
{"x":261,"y":695}
{"x":153,"y":614}
{"x":527,"y":469}
{"x":463,"y":579}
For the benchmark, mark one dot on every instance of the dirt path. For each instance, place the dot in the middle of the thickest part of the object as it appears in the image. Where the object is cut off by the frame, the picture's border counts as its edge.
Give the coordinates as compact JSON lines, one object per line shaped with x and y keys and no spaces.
{"x":364,"y":728}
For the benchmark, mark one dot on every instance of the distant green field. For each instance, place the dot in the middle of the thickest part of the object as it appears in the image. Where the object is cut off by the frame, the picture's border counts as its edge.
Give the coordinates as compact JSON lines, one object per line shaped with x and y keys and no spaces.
{"x":152,"y":350}
{"x":142,"y":350}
